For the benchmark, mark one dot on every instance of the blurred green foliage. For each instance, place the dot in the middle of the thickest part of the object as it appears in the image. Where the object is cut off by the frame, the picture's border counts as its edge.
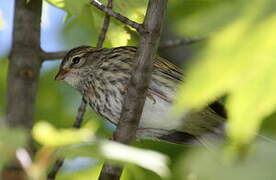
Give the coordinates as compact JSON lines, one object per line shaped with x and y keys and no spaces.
{"x":71,"y":143}
{"x":212,"y":165}
{"x":237,"y":61}
{"x":3,"y":77}
{"x":10,"y":141}
{"x":47,"y":135}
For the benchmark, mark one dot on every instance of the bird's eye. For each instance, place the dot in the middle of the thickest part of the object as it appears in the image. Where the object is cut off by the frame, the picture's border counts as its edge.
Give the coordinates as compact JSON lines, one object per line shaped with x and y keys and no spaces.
{"x":76,"y":60}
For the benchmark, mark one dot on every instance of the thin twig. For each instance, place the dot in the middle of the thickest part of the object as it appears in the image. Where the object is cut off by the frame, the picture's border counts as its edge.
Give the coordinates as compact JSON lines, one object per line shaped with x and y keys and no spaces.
{"x":138,"y":84}
{"x":77,"y":124}
{"x":80,"y":114}
{"x":105,"y":26}
{"x":180,"y":42}
{"x":52,"y":55}
{"x":52,"y":174}
{"x":46,"y":56}
{"x":118,"y":16}
{"x":110,"y":172}
{"x":82,"y":108}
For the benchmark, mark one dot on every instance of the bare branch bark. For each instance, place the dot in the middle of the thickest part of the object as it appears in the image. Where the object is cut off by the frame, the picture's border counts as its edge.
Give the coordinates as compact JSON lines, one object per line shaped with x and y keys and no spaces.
{"x":46,"y":56}
{"x":53,"y":173}
{"x":138,"y":84}
{"x":105,"y":26}
{"x":118,"y":16}
{"x":52,"y":55}
{"x":80,"y":114}
{"x":24,"y":64}
{"x":24,"y":67}
{"x":180,"y":42}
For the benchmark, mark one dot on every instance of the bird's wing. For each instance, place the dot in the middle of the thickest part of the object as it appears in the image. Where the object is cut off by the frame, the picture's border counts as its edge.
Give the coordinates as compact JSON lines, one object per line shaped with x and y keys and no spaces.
{"x":165,"y":78}
{"x":168,"y":69}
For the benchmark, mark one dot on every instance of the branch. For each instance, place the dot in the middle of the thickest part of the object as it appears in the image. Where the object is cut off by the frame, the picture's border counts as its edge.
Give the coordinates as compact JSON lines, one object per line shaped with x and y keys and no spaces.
{"x":168,"y":44}
{"x":24,"y":64}
{"x":138,"y":85}
{"x":117,"y":16}
{"x":52,"y":55}
{"x":105,"y":26}
{"x":77,"y":124}
{"x":180,"y":42}
{"x":52,"y":174}
{"x":80,"y":114}
{"x":139,"y":81}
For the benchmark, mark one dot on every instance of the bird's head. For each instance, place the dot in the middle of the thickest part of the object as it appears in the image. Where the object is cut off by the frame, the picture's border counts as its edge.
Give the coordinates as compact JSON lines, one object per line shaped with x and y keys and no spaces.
{"x":74,"y":66}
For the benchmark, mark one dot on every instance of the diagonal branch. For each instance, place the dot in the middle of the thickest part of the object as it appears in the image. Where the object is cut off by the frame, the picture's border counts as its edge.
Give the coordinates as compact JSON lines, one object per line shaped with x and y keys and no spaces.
{"x":138,"y":84}
{"x":117,"y":16}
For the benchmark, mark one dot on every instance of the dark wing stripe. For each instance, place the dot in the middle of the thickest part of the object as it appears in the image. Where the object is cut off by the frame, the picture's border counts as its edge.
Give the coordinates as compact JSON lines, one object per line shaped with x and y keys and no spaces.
{"x":219,"y":109}
{"x":159,"y":94}
{"x":167,"y":68}
{"x":179,"y":138}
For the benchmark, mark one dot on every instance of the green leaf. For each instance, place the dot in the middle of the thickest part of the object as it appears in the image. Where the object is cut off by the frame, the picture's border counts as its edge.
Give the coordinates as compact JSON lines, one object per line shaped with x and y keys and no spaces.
{"x":75,"y":7}
{"x":133,"y":9}
{"x":205,"y":18}
{"x":220,"y":13}
{"x":71,"y":6}
{"x":117,"y":152}
{"x":57,"y":3}
{"x":117,"y":35}
{"x":85,"y":25}
{"x":47,"y":135}
{"x":10,"y":141}
{"x":3,"y":80}
{"x":86,"y":21}
{"x":151,"y":160}
{"x":239,"y":61}
{"x":210,"y":165}
{"x":86,"y":174}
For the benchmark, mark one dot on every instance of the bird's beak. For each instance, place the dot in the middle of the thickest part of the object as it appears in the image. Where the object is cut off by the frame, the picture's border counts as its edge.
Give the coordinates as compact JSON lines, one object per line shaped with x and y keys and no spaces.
{"x":61,"y":74}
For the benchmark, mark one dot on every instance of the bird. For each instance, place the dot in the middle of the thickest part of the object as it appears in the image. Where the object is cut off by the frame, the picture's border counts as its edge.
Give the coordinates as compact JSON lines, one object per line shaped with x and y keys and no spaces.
{"x":101,"y":75}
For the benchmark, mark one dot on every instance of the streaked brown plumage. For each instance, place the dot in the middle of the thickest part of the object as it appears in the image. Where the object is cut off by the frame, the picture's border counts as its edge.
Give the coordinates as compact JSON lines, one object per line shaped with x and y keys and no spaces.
{"x":102,"y":74}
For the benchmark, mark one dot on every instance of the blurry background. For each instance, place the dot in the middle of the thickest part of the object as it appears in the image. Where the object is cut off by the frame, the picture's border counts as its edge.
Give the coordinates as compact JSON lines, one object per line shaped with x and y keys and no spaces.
{"x":230,"y":26}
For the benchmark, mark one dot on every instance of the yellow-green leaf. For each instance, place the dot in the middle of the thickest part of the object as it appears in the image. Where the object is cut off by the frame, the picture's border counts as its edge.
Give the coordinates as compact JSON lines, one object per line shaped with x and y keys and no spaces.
{"x":48,"y":135}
